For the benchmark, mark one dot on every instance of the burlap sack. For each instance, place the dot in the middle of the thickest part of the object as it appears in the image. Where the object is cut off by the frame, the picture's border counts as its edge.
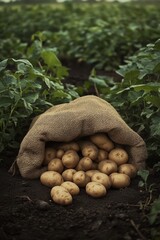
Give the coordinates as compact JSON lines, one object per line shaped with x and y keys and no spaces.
{"x":65,"y":122}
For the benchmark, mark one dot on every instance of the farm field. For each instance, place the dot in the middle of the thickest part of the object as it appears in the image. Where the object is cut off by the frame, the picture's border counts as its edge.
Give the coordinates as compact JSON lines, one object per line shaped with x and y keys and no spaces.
{"x":53,"y":54}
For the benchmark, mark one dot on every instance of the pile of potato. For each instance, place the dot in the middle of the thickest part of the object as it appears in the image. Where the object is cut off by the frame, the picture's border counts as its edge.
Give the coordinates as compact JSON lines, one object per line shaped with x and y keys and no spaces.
{"x":94,"y":163}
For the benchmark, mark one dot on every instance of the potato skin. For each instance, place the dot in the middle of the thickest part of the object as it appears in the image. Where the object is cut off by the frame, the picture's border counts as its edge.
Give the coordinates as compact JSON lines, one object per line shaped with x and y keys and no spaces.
{"x":56,"y":165}
{"x":107,"y":167}
{"x":70,"y":159}
{"x":69,"y":146}
{"x":80,"y":178}
{"x":102,"y":155}
{"x":95,"y":189}
{"x":89,"y":149}
{"x":101,"y":178}
{"x":91,"y":172}
{"x":102,"y":141}
{"x":119,"y":180}
{"x":49,"y":154}
{"x":84,"y":164}
{"x":68,"y":174}
{"x":59,"y":153}
{"x":118,"y":155}
{"x":60,"y":195}
{"x":128,"y":169}
{"x":51,"y":178}
{"x":72,"y":188}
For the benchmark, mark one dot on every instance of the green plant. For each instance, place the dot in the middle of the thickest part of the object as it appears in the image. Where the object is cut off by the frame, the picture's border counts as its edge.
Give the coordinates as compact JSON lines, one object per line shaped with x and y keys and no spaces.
{"x":153,"y":218}
{"x":137,"y":96}
{"x":26,"y":91}
{"x":94,"y":33}
{"x":154,"y":211}
{"x":144,"y":174}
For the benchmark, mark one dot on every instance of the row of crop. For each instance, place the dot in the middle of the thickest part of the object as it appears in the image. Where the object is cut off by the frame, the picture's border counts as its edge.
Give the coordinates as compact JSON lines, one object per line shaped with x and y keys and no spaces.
{"x":27,"y":89}
{"x":137,"y":96}
{"x":100,"y":34}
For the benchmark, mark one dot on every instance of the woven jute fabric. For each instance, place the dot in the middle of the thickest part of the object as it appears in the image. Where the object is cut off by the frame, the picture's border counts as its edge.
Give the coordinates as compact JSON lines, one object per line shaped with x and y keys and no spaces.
{"x":66,"y":122}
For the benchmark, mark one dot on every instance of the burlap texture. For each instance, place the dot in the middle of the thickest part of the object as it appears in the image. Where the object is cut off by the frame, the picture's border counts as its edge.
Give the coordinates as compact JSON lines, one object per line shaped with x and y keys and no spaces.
{"x":65,"y":122}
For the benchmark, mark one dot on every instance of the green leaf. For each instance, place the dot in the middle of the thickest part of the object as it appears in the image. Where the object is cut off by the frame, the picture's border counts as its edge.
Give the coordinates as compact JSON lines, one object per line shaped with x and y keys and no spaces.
{"x":146,"y":87}
{"x":143,"y":174}
{"x":157,"y":68}
{"x":99,"y":82}
{"x":25,"y":61}
{"x":50,"y":58}
{"x":131,"y":75}
{"x":155,"y":126}
{"x":155,"y":211}
{"x":31,"y":98}
{"x":47,"y":81}
{"x":5,"y":102}
{"x":157,"y":45}
{"x":141,"y":184}
{"x":3,"y":64}
{"x":154,"y":100}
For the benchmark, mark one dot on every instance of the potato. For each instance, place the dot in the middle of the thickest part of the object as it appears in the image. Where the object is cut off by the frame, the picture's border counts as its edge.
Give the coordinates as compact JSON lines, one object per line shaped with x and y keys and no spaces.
{"x":118,"y":155}
{"x":119,"y":180}
{"x":61,"y":195}
{"x":60,"y":153}
{"x":80,"y":178}
{"x":51,"y":178}
{"x":49,"y":154}
{"x":56,"y":165}
{"x":69,"y":146}
{"x":101,"y":178}
{"x":91,"y":172}
{"x":102,"y":141}
{"x":107,"y":166}
{"x":102,"y":155}
{"x":128,"y":169}
{"x":89,"y":149}
{"x":87,"y":180}
{"x":68,"y":174}
{"x":84,"y":164}
{"x":95,"y":189}
{"x":72,"y":188}
{"x":70,"y":159}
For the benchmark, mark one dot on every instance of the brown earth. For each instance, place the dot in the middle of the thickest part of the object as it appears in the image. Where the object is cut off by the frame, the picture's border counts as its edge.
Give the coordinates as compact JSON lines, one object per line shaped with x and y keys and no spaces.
{"x":28,"y":213}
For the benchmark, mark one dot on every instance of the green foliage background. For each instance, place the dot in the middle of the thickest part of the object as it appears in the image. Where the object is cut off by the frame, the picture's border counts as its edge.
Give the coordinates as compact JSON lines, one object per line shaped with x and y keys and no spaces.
{"x":122,"y":37}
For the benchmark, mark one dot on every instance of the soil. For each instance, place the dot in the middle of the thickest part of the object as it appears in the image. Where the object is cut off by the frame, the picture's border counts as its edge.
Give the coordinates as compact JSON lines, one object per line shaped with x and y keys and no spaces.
{"x":27,"y":211}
